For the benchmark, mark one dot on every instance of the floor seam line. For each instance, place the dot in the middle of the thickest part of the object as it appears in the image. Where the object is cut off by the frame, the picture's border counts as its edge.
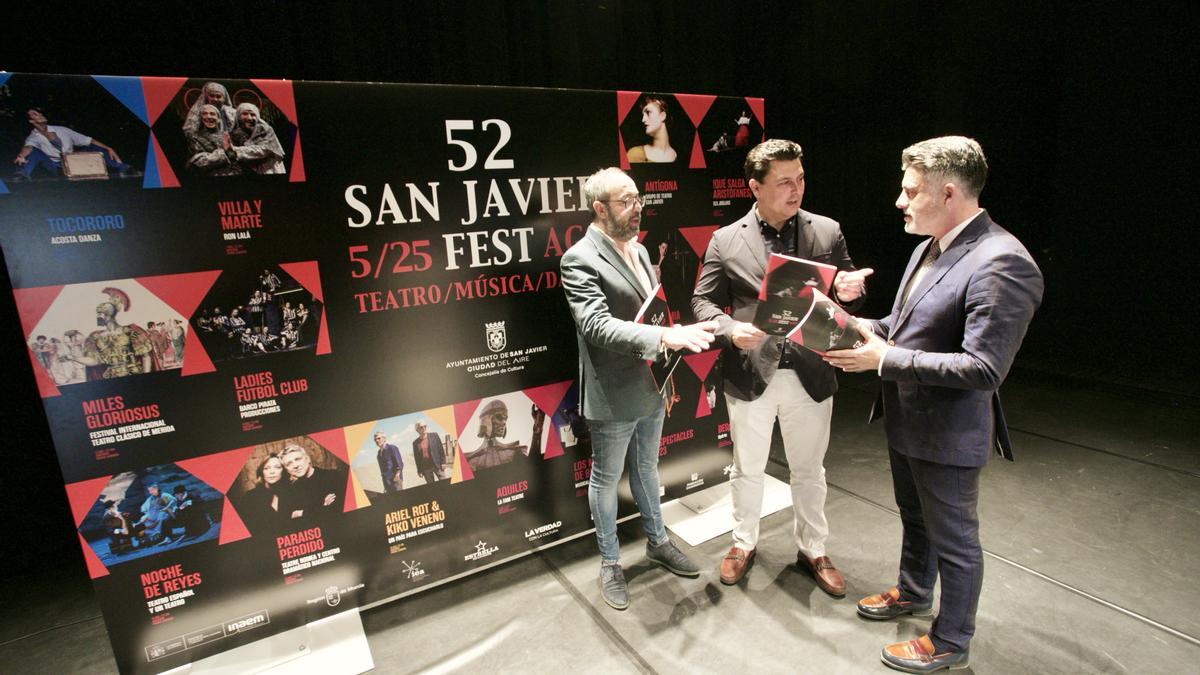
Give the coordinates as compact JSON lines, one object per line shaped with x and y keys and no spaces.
{"x":1045,"y":577}
{"x":630,"y":652}
{"x":1111,"y":453}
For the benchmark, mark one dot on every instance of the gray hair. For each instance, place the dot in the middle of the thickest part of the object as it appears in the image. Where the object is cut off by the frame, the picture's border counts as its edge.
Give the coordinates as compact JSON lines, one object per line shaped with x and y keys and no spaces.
{"x":599,"y":185}
{"x":292,"y":448}
{"x":956,"y":159}
{"x":758,"y":160}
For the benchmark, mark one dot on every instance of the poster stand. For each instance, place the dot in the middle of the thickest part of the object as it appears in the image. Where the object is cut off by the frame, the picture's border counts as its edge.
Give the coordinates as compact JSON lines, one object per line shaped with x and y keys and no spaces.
{"x":708,"y":514}
{"x":333,"y":644}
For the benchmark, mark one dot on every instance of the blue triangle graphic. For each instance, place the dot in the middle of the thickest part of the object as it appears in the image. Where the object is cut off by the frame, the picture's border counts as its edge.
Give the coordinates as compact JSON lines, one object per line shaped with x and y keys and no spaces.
{"x":150,"y":180}
{"x":3,"y":187}
{"x":127,"y":90}
{"x":4,"y":78}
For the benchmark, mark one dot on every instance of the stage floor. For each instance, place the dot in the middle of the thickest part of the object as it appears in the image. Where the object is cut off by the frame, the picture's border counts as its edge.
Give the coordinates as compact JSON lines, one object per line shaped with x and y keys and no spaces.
{"x":1091,"y":554}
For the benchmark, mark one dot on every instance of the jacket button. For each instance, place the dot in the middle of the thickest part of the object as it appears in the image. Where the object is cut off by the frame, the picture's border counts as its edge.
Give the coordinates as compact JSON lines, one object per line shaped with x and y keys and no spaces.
{"x":891,"y":343}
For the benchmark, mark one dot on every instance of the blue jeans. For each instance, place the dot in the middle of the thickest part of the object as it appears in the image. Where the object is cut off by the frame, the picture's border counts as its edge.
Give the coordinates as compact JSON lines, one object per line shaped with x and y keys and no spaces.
{"x":36,"y":158}
{"x":632,"y":443}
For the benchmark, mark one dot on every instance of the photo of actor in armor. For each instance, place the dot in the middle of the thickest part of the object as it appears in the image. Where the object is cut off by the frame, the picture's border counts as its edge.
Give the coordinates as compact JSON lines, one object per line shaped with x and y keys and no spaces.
{"x":494,"y":427}
{"x":285,"y":485}
{"x":146,"y":512}
{"x":133,"y":333}
{"x":266,"y":312}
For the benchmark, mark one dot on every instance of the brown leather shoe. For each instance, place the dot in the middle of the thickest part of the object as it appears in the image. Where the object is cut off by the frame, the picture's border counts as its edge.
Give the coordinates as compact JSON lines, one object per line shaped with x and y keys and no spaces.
{"x":828,"y":578}
{"x":734,"y":565}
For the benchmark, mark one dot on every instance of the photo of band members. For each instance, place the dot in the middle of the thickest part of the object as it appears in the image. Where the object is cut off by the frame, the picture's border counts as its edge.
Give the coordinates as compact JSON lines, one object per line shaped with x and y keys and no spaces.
{"x":50,"y":132}
{"x":256,"y":312}
{"x":406,"y":451}
{"x":288,"y":485}
{"x":106,"y":330}
{"x":221,"y":129}
{"x":151,"y":511}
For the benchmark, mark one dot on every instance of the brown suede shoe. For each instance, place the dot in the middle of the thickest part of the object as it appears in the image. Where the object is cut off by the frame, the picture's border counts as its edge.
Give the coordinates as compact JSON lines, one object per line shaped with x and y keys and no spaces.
{"x":828,"y":578}
{"x":734,"y":565}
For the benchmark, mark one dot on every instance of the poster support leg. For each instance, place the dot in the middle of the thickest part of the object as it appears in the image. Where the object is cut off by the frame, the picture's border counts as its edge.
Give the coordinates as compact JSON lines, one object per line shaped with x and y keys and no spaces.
{"x":708,"y":514}
{"x":333,"y":644}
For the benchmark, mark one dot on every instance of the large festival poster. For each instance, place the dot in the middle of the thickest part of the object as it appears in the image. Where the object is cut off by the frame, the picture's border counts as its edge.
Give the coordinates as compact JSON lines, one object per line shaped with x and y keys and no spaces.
{"x":302,"y":346}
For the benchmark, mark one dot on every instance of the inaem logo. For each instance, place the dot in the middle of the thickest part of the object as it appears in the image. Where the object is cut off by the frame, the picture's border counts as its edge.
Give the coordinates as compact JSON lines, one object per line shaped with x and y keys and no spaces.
{"x":247,"y":622}
{"x":497,"y":339}
{"x":411,"y":570}
{"x":333,"y":596}
{"x":482,"y":550}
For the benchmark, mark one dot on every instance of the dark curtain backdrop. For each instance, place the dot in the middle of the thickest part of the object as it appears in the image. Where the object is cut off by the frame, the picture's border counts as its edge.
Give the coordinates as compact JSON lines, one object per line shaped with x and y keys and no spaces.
{"x":1081,"y":108}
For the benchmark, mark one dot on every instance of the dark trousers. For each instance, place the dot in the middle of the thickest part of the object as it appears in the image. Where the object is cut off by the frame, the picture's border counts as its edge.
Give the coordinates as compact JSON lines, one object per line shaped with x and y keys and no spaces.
{"x":941,"y":537}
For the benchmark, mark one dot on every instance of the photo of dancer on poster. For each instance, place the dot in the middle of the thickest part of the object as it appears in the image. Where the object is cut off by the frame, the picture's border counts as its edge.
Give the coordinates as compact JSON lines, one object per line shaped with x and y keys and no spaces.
{"x":654,"y":114}
{"x":149,"y":511}
{"x":42,"y":154}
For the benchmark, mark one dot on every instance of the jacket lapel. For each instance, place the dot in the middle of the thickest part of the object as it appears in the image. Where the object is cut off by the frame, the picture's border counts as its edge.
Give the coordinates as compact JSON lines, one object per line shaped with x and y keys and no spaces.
{"x":962,"y":245}
{"x":752,"y":237}
{"x":610,"y":256}
{"x":805,"y":233}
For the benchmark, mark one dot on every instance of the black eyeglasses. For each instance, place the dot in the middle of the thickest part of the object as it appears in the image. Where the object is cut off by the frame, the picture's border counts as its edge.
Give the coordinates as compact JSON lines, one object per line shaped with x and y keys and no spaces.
{"x":629,"y":201}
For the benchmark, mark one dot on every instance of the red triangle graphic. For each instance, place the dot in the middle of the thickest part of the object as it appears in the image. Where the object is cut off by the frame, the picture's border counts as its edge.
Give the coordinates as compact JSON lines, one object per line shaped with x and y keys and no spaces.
{"x":696,"y":106}
{"x":281,"y":94}
{"x":625,"y":102}
{"x":166,"y":176}
{"x":158,"y":92}
{"x":306,"y":274}
{"x":697,"y":160}
{"x":82,"y":496}
{"x":95,"y":568}
{"x":462,"y":417}
{"x":621,"y":149}
{"x":45,"y":383}
{"x":641,"y":235}
{"x":351,"y":502}
{"x":323,"y":336}
{"x":548,"y":397}
{"x":758,"y":107}
{"x":232,"y":527}
{"x":183,"y":292}
{"x":702,"y":409}
{"x":697,"y":237}
{"x":702,"y":363}
{"x":217,"y":470}
{"x":297,"y":174}
{"x":333,"y":440}
{"x":195,"y":359}
{"x":33,"y":303}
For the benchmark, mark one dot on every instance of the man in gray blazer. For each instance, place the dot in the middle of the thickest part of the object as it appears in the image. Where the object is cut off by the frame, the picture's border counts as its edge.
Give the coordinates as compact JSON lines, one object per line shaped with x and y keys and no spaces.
{"x":767,"y":377}
{"x":964,"y":303}
{"x":607,"y":276}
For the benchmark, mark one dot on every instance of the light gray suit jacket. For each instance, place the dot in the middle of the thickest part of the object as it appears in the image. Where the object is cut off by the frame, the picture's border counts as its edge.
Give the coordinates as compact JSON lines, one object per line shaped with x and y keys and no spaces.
{"x":953,"y":343}
{"x":604,"y":297}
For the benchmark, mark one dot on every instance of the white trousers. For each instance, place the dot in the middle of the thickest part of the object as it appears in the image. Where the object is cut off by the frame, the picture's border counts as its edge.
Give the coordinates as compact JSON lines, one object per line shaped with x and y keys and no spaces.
{"x":804,"y":424}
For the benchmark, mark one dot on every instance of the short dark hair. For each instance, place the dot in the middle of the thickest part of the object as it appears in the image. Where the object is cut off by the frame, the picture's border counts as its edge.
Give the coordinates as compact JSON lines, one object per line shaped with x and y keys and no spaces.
{"x":946,"y":158}
{"x":758,"y":160}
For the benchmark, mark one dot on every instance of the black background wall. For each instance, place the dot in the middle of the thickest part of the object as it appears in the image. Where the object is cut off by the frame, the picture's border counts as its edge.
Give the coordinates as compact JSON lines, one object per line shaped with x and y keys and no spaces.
{"x":1082,"y":109}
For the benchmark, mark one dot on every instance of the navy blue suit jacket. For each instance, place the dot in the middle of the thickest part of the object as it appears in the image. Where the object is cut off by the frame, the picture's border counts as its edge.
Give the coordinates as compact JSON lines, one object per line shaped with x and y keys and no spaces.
{"x":953,"y":344}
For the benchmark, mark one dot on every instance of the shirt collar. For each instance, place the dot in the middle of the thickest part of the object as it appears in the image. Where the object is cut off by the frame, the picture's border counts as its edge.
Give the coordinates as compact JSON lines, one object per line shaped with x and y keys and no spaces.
{"x":949,"y":237}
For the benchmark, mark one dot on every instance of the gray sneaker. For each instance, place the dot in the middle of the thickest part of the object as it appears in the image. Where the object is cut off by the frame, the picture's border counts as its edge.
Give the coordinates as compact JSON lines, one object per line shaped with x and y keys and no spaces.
{"x":670,"y":557}
{"x":612,"y":586}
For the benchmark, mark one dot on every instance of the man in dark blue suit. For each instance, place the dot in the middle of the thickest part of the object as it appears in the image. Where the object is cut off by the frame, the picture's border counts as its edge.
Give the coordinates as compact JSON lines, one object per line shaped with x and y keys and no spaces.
{"x":964,"y":304}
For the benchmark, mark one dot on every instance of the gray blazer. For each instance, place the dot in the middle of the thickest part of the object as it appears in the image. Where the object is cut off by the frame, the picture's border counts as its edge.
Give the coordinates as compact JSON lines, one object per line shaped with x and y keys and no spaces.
{"x":953,"y":344}
{"x":604,"y":297}
{"x":733,"y":270}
